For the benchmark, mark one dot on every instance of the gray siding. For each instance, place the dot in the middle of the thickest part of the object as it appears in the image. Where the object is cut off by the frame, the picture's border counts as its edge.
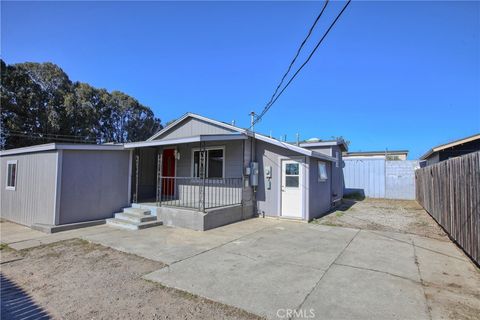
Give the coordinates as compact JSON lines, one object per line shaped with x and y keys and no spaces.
{"x":233,"y":158}
{"x":192,"y":127}
{"x":319,"y":191}
{"x":94,"y":184}
{"x":337,"y":174}
{"x":337,"y":171}
{"x":33,"y":201}
{"x":269,"y":155}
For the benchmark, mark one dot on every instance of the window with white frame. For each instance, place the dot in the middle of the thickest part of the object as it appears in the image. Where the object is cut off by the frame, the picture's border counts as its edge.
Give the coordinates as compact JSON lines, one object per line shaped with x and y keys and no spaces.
{"x":214,"y":162}
{"x":11,"y":174}
{"x":322,"y":171}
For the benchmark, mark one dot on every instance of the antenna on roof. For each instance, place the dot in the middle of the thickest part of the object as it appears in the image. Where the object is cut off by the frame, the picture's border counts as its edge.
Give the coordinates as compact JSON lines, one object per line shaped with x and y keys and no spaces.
{"x":270,"y":133}
{"x":233,"y":122}
{"x":298,"y":138}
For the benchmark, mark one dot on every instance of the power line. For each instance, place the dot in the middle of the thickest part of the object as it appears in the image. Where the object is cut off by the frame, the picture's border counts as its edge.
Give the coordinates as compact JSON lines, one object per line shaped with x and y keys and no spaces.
{"x":48,"y":138}
{"x":298,"y":52}
{"x":265,"y":110}
{"x":47,"y":134}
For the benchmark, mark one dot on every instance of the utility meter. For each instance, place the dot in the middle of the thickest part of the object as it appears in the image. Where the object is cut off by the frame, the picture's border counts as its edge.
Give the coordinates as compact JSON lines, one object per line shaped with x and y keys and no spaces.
{"x":268,"y":177}
{"x":254,"y":174}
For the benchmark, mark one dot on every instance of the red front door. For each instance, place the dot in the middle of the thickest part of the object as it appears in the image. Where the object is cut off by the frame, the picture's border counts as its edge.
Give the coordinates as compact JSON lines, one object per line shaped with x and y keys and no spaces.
{"x":168,"y":170}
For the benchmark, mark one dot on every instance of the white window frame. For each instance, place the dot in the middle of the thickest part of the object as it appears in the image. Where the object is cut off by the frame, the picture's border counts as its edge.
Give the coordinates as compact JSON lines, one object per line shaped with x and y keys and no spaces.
{"x":192,"y":171}
{"x":320,"y":178}
{"x":9,"y":162}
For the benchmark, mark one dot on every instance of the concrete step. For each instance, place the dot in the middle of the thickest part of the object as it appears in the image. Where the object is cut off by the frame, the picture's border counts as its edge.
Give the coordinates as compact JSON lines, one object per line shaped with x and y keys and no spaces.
{"x":134,"y":217}
{"x":126,"y":224}
{"x":138,"y":211}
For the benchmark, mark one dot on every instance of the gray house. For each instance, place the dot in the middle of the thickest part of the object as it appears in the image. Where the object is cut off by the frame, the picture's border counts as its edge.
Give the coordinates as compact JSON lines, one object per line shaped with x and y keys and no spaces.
{"x":196,"y":173}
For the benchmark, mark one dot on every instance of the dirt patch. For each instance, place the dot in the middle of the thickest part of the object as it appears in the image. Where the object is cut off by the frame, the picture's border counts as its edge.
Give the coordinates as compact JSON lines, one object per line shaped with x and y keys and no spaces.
{"x":384,"y":215}
{"x":78,"y":280}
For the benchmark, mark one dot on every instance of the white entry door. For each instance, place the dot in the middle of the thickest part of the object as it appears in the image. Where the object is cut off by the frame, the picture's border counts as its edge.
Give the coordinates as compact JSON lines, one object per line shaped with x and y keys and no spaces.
{"x":291,"y":192}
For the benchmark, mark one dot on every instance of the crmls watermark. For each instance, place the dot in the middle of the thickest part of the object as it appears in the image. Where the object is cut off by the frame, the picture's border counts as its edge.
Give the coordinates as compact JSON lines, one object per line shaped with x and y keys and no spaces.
{"x":294,"y":313}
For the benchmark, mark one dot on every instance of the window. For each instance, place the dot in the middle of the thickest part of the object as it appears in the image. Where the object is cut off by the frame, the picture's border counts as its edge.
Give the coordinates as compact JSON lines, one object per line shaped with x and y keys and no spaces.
{"x":322,"y":171}
{"x":292,"y":177}
{"x":214,"y":163}
{"x":11,"y":174}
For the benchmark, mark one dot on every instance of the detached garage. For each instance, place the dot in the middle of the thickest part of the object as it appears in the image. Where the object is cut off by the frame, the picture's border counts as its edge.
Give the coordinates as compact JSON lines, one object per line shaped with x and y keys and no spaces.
{"x":60,"y":184}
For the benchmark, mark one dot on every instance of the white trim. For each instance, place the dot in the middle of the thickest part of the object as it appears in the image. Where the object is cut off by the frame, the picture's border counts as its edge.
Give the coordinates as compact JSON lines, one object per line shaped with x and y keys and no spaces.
{"x":303,"y":181}
{"x":319,"y":178}
{"x":245,"y":132}
{"x":58,"y":187}
{"x":206,"y":160}
{"x":57,"y":146}
{"x":195,"y":116}
{"x":449,"y":145}
{"x":199,"y":138}
{"x":324,"y":144}
{"x":294,"y":148}
{"x":14,"y":187}
{"x":306,"y":200}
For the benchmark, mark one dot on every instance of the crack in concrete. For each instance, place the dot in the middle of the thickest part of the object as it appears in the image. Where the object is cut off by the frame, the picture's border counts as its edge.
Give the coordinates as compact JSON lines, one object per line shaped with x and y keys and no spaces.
{"x":403,"y":241}
{"x":428,"y":308}
{"x":326,"y":271}
{"x":219,"y":246}
{"x":379,"y":271}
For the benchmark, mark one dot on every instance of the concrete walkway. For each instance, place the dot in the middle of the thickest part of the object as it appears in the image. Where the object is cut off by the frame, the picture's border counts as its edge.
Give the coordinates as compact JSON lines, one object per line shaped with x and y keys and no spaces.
{"x":270,"y":267}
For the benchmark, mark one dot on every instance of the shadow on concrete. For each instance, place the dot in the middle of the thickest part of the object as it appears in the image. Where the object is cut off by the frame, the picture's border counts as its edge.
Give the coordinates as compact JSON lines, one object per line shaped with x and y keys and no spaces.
{"x":15,"y":303}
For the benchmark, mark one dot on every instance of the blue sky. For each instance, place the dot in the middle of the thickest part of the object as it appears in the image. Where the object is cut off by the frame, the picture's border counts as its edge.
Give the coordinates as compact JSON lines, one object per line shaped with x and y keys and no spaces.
{"x":396,"y":75}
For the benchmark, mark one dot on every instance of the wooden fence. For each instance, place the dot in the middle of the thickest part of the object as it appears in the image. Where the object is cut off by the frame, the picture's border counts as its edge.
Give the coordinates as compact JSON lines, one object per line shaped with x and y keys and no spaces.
{"x":450,"y":192}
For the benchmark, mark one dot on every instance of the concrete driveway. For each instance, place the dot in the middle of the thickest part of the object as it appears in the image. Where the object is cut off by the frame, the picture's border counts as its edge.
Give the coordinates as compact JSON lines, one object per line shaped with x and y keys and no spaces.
{"x":271,"y":267}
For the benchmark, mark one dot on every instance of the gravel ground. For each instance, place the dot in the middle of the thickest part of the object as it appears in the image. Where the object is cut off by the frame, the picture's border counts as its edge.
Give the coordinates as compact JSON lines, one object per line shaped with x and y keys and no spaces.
{"x":384,"y":215}
{"x":75,"y":279}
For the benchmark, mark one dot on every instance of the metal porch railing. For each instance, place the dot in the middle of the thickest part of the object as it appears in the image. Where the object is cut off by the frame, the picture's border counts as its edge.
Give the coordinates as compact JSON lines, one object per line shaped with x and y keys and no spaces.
{"x":199,"y":193}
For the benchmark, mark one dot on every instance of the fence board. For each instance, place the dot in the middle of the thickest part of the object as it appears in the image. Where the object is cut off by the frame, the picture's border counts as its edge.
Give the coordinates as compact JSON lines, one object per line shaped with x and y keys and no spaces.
{"x":450,"y":192}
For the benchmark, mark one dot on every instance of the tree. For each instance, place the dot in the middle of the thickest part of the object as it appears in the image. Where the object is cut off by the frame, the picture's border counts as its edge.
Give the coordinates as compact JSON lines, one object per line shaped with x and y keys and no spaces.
{"x":40,"y":104}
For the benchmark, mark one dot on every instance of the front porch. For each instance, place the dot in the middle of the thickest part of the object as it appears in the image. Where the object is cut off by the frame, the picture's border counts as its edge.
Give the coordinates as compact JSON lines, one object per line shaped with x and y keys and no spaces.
{"x":196,"y":182}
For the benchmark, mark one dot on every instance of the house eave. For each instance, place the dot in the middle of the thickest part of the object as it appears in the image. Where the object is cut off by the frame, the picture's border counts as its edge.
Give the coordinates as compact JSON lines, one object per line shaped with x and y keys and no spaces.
{"x":193,"y":139}
{"x":60,"y":146}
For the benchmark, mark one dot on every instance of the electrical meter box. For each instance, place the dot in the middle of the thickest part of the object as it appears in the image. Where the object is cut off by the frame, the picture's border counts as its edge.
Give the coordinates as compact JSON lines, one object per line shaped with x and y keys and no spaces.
{"x":254,"y":174}
{"x":268,"y":172}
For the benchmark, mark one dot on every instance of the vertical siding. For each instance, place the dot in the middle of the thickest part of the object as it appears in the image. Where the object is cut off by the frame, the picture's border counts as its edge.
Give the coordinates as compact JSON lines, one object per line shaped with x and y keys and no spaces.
{"x":400,"y":179}
{"x":365,"y":176}
{"x":320,"y":191}
{"x":33,"y":201}
{"x":268,"y":200}
{"x":94,"y":184}
{"x":193,"y":127}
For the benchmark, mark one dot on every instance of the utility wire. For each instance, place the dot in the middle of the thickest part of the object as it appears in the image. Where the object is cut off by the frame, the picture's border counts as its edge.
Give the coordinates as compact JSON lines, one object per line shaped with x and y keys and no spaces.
{"x":265,"y":110}
{"x":47,"y":138}
{"x":298,"y":52}
{"x":46,"y":134}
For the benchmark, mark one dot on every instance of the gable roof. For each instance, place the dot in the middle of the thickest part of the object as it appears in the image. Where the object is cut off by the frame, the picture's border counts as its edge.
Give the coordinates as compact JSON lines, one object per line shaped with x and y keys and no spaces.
{"x":450,"y":145}
{"x":246,"y":132}
{"x":195,"y":116}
